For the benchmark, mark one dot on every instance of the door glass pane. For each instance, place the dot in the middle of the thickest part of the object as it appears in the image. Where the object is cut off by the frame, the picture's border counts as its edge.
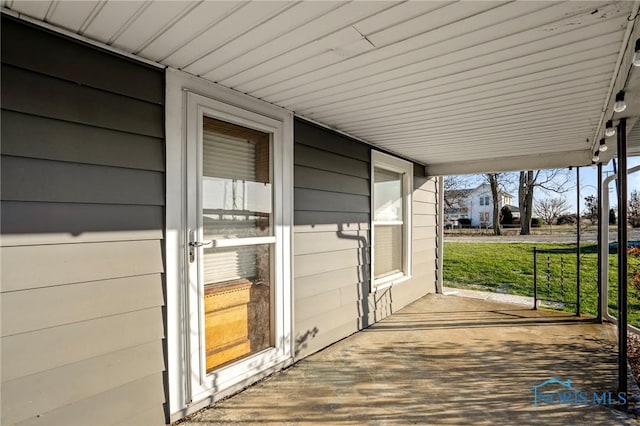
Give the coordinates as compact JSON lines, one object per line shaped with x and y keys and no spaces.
{"x":237,"y":311}
{"x":387,"y":250}
{"x":237,"y":203}
{"x":236,"y":181}
{"x":387,"y":195}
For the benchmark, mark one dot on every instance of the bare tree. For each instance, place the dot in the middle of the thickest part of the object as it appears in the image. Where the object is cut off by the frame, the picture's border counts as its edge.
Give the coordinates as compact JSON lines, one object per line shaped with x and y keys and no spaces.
{"x":634,"y":203}
{"x":591,"y":208}
{"x":498,"y":183}
{"x":495,"y":194}
{"x":554,"y":180}
{"x":550,"y":209}
{"x":453,"y":190}
{"x":456,"y":189}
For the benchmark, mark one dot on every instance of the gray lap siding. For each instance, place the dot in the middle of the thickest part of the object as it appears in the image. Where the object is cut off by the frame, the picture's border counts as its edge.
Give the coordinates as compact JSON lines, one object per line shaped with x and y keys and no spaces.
{"x":332,"y":213}
{"x":82,"y":202}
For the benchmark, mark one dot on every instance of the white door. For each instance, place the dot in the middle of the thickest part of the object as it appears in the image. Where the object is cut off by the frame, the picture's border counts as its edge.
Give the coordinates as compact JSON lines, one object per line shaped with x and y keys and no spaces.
{"x":237,"y":297}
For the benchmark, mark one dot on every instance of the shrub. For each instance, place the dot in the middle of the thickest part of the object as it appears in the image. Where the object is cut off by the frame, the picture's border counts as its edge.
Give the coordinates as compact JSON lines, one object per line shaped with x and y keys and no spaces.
{"x":536,"y":222}
{"x":567,"y":219}
{"x":506,"y":216}
{"x":612,"y":217}
{"x":464,"y":222}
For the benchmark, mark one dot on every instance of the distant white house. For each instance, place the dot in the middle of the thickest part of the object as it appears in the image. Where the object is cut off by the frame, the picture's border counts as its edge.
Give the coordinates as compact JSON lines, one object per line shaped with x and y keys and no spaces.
{"x":475,"y":204}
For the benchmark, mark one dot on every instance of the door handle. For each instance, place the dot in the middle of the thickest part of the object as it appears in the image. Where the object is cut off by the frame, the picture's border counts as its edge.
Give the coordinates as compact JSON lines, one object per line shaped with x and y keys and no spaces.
{"x":193,"y":245}
{"x":200,"y":243}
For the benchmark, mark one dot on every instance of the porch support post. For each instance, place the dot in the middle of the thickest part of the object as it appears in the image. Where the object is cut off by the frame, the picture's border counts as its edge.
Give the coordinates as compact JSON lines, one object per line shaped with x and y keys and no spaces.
{"x":440,"y":236}
{"x":622,"y":255}
{"x":578,"y":241}
{"x":601,"y":228}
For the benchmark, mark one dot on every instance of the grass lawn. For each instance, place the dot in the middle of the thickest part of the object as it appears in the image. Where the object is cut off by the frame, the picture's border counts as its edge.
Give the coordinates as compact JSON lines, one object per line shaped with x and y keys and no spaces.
{"x":508,"y":268}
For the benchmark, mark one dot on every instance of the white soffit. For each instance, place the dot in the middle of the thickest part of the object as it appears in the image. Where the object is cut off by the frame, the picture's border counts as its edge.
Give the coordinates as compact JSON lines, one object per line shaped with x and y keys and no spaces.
{"x":454,"y":85}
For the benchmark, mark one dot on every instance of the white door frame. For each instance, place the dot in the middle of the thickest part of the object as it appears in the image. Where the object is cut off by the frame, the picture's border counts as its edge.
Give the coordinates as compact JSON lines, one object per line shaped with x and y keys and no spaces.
{"x":187,"y":97}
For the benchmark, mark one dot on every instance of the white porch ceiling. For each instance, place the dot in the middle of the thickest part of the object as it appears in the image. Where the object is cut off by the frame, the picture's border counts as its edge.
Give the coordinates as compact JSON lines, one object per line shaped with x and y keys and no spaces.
{"x":459,"y":86}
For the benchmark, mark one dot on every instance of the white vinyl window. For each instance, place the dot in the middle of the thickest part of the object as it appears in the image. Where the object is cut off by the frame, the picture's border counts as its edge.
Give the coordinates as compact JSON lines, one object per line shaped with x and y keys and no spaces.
{"x":391,"y":219}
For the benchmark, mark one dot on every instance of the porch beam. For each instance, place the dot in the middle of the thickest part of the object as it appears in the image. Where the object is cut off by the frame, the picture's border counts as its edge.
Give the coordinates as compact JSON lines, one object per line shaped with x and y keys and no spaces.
{"x":547,"y":160}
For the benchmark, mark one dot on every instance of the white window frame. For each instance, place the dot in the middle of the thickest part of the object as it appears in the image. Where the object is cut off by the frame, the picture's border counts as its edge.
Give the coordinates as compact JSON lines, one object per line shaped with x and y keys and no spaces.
{"x":397,"y":165}
{"x":183,"y":89}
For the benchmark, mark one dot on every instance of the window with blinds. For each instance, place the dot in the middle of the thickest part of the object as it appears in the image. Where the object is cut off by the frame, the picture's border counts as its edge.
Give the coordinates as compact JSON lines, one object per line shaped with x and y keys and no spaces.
{"x":236,"y":198}
{"x":390,"y":222}
{"x":237,"y":218}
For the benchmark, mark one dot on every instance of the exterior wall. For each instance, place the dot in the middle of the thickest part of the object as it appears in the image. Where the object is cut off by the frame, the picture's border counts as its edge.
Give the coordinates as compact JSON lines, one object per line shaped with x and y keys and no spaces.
{"x":331,"y":240}
{"x":82,"y":229}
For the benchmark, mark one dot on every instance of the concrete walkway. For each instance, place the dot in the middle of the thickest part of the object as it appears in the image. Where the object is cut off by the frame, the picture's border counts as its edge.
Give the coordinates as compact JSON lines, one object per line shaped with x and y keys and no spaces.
{"x":487,"y":295}
{"x":441,"y":360}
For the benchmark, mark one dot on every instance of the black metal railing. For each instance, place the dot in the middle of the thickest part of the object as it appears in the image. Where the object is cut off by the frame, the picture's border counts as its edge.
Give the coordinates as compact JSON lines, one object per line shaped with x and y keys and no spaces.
{"x":558,"y":285}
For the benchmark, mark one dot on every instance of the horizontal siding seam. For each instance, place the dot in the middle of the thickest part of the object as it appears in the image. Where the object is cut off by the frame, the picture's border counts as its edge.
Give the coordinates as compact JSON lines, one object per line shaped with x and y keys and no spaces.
{"x":355,"y":284}
{"x":323,"y":272}
{"x":312,"y":145}
{"x":86,"y":164}
{"x":336,"y":153}
{"x":336,"y":191}
{"x":159,"y":273}
{"x":44,"y":414}
{"x":328,"y":211}
{"x":334,"y":270}
{"x":329,"y":171}
{"x":94,"y":357}
{"x":87,"y":203}
{"x":364,"y":231}
{"x":358,"y":318}
{"x":330,"y":191}
{"x":308,"y":145}
{"x":85,"y":124}
{"x":86,"y":359}
{"x":423,"y":239}
{"x":333,"y":171}
{"x":6,"y":64}
{"x":119,"y":240}
{"x":159,"y":139}
{"x":330,"y":251}
{"x":83,"y":203}
{"x":86,"y":320}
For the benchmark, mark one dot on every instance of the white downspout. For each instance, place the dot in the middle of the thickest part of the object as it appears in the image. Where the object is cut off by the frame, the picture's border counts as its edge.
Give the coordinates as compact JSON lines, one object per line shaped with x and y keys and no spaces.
{"x":604,"y":251}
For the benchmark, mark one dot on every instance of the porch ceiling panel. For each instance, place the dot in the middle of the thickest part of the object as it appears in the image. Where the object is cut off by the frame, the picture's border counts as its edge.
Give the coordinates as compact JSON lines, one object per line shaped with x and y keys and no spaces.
{"x":458,"y":86}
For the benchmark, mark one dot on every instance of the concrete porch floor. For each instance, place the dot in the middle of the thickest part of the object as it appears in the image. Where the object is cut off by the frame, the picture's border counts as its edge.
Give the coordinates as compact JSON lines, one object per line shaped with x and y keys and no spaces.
{"x":440,"y":360}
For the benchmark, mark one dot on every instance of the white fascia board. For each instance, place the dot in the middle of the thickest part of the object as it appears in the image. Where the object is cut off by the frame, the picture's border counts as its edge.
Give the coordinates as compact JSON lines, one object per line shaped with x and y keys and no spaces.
{"x":551,"y":160}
